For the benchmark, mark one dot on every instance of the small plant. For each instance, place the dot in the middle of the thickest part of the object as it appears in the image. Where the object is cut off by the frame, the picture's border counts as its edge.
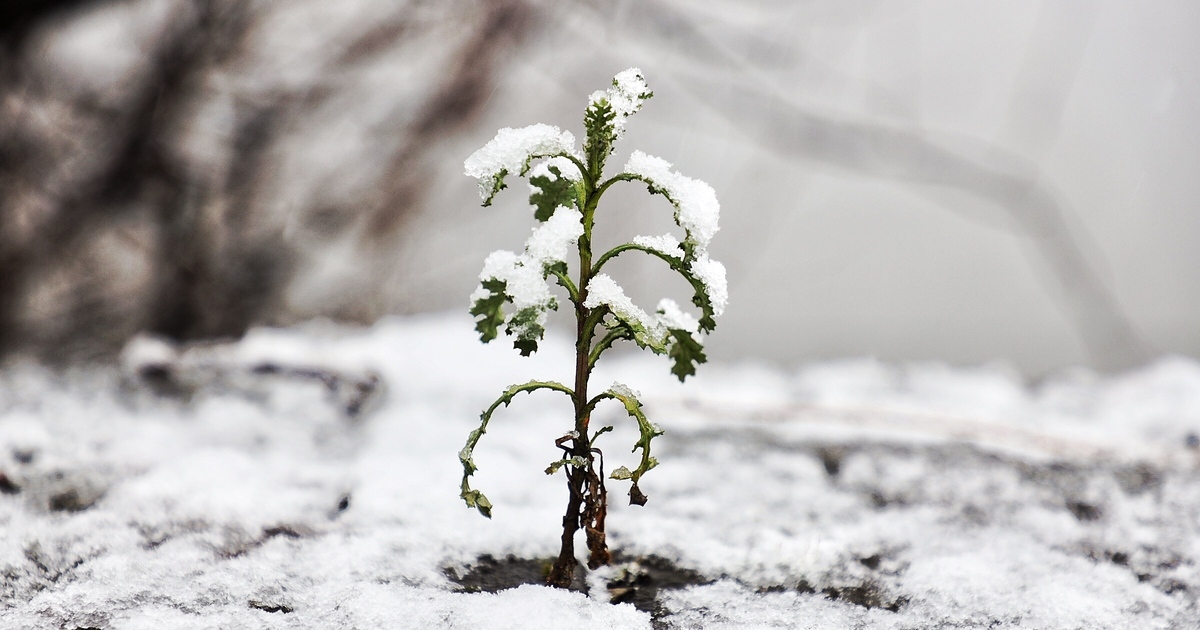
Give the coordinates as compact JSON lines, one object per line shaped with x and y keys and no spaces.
{"x":566,"y":186}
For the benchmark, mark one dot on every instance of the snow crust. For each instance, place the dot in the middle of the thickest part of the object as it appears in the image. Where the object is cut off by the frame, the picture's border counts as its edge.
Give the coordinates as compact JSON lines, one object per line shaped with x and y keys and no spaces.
{"x":511,"y":149}
{"x":205,"y":487}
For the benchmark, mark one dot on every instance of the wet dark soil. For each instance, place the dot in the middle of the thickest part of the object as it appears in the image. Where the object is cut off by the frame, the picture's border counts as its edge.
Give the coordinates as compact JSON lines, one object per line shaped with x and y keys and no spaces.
{"x":638,"y":580}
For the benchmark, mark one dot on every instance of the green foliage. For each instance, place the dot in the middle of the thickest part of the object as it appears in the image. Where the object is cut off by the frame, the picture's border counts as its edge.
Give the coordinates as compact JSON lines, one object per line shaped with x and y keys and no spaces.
{"x":489,"y":309}
{"x":686,"y":352}
{"x":526,"y":329}
{"x":550,"y":194}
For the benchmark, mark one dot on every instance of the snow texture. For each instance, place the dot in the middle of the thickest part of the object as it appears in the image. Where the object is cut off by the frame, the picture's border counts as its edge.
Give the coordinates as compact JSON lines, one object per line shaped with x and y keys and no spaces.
{"x":604,"y":291}
{"x":628,"y":92}
{"x":565,"y":167}
{"x":554,"y":239}
{"x":672,"y":317}
{"x":524,"y":281}
{"x":666,"y":244}
{"x":268,"y":484}
{"x":697,"y":209}
{"x":511,"y":149}
{"x":712,"y":274}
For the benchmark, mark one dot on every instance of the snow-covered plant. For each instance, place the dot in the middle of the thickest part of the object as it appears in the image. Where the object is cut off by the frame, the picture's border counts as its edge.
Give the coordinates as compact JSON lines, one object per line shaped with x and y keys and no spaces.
{"x":566,"y":186}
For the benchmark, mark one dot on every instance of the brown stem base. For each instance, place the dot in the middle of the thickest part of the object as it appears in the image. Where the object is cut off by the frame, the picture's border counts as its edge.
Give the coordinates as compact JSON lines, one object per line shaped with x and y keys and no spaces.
{"x":563,"y":571}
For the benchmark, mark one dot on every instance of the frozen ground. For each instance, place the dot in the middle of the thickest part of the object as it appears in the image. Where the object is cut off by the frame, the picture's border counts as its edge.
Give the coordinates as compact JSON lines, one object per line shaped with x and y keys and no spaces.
{"x":308,"y":479}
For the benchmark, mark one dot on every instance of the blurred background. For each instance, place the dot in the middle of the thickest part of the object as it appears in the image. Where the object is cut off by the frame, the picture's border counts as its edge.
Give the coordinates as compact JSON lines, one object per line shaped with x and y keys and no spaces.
{"x":908,"y":179}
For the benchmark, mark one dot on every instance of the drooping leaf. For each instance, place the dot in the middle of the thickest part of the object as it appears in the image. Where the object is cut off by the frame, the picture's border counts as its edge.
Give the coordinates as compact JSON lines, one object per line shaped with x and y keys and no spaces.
{"x":647,"y":430}
{"x":489,"y":310}
{"x":686,"y":352}
{"x":475,"y":498}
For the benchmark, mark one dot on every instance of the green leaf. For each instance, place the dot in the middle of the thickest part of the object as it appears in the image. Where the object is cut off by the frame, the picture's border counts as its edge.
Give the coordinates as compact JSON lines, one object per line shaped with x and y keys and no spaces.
{"x":489,"y":310}
{"x":551,"y":194}
{"x":598,"y":120}
{"x":525,"y":327}
{"x":621,"y":474}
{"x":686,"y":352}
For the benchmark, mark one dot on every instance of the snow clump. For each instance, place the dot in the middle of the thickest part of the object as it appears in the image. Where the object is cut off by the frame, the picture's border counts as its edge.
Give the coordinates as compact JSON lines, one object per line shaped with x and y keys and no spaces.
{"x":524,"y":275}
{"x":697,"y":209}
{"x":675,"y":318}
{"x":510,"y":152}
{"x":523,"y":281}
{"x":712,"y":274}
{"x":625,"y":97}
{"x":622,"y":389}
{"x":552,"y":241}
{"x":666,"y":244}
{"x":604,"y":291}
{"x":566,"y":167}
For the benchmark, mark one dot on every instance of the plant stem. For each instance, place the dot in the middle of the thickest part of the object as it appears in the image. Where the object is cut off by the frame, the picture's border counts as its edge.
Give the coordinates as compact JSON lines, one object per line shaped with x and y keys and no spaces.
{"x":587,"y":500}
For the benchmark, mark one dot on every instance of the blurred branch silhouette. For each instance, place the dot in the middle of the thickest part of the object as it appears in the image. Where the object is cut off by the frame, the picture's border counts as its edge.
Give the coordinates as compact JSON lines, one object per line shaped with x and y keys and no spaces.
{"x":744,"y":94}
{"x":141,"y":188}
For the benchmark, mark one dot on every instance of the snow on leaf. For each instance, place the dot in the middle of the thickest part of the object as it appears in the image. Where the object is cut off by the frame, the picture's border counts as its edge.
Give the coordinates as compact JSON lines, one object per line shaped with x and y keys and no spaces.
{"x":665,"y":244}
{"x":511,"y":151}
{"x":607,"y":112}
{"x":696,"y":207}
{"x":645,"y":330}
{"x":712,"y":274}
{"x":554,"y":239}
{"x":550,"y":188}
{"x":507,"y":277}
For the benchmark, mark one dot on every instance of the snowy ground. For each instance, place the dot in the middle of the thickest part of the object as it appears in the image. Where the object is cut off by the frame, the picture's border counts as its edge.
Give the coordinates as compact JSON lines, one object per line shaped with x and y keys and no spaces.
{"x":308,"y":479}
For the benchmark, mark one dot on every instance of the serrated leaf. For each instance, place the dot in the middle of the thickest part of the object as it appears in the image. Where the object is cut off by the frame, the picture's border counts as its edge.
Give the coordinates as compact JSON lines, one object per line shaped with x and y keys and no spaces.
{"x":489,"y":310}
{"x":598,"y":120}
{"x":686,"y":352}
{"x":621,"y":473}
{"x":551,"y":194}
{"x":526,"y":329}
